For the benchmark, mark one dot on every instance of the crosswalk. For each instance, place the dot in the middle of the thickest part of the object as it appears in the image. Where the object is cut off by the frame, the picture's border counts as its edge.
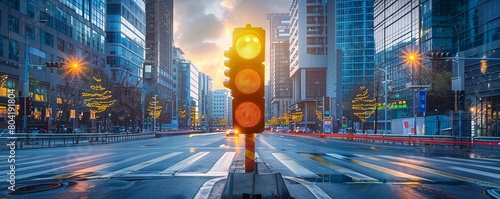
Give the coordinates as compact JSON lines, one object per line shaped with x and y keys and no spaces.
{"x":317,"y":167}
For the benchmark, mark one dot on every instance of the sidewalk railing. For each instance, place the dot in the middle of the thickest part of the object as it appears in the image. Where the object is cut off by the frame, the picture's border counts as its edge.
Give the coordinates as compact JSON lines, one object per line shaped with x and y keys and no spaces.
{"x":52,"y":139}
{"x":442,"y":140}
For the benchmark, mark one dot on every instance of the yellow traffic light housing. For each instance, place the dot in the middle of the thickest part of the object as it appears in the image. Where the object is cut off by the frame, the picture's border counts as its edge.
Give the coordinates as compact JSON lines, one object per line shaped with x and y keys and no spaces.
{"x":246,"y":78}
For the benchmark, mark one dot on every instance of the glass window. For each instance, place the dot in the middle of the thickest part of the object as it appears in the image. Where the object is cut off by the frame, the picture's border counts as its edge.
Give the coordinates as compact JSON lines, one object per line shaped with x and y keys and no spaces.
{"x":13,"y":24}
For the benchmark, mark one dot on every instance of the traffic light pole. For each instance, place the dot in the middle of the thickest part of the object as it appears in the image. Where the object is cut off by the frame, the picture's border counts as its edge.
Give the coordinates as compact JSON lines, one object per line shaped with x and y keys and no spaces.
{"x":249,"y":152}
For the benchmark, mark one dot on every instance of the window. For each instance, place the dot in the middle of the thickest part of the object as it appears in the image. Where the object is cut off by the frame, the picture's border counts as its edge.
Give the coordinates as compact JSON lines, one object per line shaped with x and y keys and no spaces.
{"x":13,"y":24}
{"x":46,"y":38}
{"x":60,"y":44}
{"x":14,"y":50}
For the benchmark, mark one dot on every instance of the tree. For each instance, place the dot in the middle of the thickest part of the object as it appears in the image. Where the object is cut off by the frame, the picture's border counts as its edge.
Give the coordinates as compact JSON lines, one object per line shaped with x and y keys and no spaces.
{"x":98,"y":98}
{"x":362,"y":105}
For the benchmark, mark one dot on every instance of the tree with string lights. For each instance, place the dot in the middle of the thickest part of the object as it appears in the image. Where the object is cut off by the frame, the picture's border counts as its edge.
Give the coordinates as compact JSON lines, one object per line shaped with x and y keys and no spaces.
{"x":362,"y":105}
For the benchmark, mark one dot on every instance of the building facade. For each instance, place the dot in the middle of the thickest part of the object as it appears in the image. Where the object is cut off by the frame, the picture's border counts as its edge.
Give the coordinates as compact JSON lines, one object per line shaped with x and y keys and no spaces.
{"x":280,"y":83}
{"x":188,"y":96}
{"x":125,"y":37}
{"x":35,"y":32}
{"x":350,"y":54}
{"x":222,"y":111}
{"x":308,"y":59}
{"x":159,"y":51}
{"x":206,"y":101}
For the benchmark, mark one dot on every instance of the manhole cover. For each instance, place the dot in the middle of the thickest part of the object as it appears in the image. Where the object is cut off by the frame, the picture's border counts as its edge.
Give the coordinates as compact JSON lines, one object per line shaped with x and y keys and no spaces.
{"x":36,"y":188}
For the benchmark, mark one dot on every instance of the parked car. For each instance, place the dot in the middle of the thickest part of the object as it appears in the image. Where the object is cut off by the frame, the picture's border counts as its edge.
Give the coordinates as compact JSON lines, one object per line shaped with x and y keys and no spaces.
{"x":121,"y":129}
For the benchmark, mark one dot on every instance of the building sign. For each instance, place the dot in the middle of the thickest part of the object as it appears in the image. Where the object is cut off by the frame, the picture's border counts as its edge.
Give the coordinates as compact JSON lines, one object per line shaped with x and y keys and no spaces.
{"x":422,"y":101}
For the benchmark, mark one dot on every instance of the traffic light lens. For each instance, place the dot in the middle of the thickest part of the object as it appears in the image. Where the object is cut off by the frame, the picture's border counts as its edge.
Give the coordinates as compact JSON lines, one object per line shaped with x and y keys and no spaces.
{"x":247,"y":81}
{"x":248,"y":46}
{"x":247,"y":114}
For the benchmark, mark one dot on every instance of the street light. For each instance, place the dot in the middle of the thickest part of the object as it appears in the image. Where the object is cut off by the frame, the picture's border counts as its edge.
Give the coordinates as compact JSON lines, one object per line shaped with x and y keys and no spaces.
{"x":154,"y":115}
{"x":413,"y":59}
{"x":385,"y":82}
{"x":26,"y":87}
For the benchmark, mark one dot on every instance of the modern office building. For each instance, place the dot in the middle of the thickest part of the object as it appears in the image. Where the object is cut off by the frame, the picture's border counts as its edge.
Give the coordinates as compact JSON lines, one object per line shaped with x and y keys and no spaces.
{"x":206,"y":101}
{"x":222,"y":108}
{"x":280,"y":83}
{"x":350,"y":54}
{"x":35,"y":32}
{"x":476,"y":34}
{"x":159,"y":50}
{"x":188,"y":96}
{"x":125,"y":37}
{"x":308,"y":58}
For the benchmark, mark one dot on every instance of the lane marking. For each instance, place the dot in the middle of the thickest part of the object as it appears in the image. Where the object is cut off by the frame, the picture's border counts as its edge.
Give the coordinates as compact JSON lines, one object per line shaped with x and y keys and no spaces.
{"x":176,"y":168}
{"x":386,"y":170}
{"x":315,"y":190}
{"x":140,"y":165}
{"x":355,"y":176}
{"x":265,"y":143}
{"x":460,"y":163}
{"x":449,"y":175}
{"x":474,"y":171}
{"x":295,"y":167}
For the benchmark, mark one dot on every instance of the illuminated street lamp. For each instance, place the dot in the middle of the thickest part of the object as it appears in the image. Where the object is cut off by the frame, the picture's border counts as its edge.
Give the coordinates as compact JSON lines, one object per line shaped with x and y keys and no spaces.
{"x":413,"y":59}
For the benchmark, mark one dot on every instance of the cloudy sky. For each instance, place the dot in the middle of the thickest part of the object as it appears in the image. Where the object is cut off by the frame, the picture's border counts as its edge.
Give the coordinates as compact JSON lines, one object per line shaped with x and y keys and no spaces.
{"x":203,"y":29}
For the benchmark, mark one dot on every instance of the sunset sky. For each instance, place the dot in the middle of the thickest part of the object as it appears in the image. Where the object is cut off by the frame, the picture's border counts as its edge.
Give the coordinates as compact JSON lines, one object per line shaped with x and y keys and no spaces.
{"x":203,"y":29}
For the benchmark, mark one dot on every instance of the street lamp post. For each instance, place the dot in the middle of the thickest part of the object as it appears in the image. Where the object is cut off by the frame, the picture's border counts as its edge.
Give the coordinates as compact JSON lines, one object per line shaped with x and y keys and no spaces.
{"x":385,"y":82}
{"x":154,"y":115}
{"x":26,"y":86}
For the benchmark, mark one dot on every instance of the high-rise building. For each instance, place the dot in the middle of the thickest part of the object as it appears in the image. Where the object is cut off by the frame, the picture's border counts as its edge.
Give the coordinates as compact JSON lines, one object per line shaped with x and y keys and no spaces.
{"x":476,"y":34}
{"x":125,"y":37}
{"x":188,"y":96}
{"x":280,"y":83}
{"x":35,"y":32}
{"x":308,"y":58}
{"x":159,"y":48}
{"x":206,"y":101}
{"x":350,"y":53}
{"x":222,"y":108}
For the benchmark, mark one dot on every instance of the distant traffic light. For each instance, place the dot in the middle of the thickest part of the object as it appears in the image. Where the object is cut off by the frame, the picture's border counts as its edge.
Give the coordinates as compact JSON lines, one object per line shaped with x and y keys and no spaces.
{"x":246,"y":78}
{"x":461,"y":100}
{"x":54,"y":64}
{"x":29,"y":105}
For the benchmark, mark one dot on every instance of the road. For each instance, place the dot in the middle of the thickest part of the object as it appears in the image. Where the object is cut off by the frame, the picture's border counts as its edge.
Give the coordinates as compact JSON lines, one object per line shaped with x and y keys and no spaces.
{"x":196,"y":165}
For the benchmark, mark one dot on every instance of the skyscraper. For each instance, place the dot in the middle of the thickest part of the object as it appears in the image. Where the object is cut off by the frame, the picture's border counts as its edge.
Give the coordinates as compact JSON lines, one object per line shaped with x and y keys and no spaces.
{"x":308,"y":58}
{"x":125,"y":36}
{"x":280,"y":84}
{"x":350,"y":54}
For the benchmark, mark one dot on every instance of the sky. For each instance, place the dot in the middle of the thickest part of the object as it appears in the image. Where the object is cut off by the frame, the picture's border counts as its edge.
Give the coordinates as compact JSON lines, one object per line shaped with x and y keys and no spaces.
{"x":203,"y":30}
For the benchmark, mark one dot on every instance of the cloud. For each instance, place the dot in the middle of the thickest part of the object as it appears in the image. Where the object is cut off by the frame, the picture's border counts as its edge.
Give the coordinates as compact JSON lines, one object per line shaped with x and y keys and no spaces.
{"x":203,"y":29}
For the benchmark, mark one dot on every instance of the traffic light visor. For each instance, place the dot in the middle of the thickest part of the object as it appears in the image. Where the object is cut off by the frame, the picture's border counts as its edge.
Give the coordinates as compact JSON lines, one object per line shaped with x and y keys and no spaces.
{"x":247,"y":81}
{"x":248,"y":46}
{"x":247,"y":114}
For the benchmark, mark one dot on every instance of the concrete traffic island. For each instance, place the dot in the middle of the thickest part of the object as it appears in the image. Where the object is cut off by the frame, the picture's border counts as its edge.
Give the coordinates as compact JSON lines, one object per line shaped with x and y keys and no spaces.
{"x":261,"y":184}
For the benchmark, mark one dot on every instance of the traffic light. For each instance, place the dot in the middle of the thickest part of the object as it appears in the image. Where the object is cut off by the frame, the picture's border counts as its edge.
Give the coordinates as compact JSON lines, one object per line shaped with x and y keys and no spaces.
{"x":461,"y":100}
{"x":54,"y":64}
{"x":439,"y":55}
{"x":246,"y":78}
{"x":29,"y":105}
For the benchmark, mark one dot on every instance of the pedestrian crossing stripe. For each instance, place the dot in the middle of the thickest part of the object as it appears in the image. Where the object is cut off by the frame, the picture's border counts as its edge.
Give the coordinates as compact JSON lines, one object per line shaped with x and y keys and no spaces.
{"x":183,"y":164}
{"x":92,"y":158}
{"x":221,"y":167}
{"x":474,"y":171}
{"x":445,"y":174}
{"x":98,"y":168}
{"x":295,"y":167}
{"x":140,"y":165}
{"x":386,"y":170}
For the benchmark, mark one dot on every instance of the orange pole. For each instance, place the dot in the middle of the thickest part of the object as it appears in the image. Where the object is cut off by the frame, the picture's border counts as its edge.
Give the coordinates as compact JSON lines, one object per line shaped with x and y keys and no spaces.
{"x":249,"y":152}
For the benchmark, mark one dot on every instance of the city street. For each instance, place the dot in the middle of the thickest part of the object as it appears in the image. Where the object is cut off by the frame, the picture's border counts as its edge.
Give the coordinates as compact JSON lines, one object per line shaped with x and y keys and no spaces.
{"x":196,"y":166}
